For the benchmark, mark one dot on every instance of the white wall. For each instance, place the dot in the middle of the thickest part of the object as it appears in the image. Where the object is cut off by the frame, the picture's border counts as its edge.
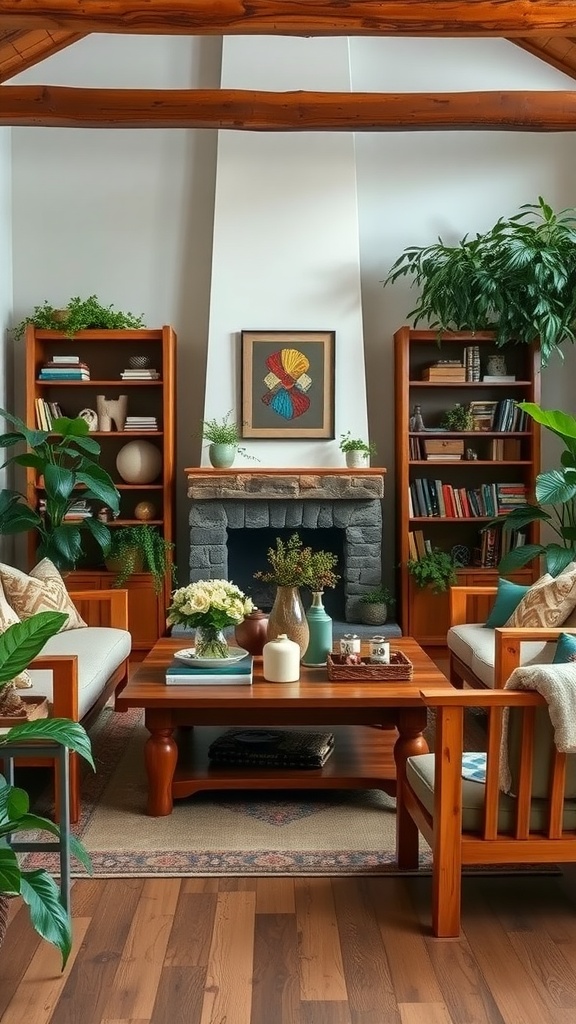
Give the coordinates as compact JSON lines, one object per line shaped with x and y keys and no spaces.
{"x":128,"y":214}
{"x":5,"y":293}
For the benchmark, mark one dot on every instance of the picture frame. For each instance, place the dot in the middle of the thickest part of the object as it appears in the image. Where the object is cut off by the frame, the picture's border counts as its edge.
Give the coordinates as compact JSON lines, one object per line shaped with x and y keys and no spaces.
{"x":288,"y":384}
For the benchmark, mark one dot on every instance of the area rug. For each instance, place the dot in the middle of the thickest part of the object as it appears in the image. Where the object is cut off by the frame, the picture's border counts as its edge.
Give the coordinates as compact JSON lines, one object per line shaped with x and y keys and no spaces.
{"x":318,"y":832}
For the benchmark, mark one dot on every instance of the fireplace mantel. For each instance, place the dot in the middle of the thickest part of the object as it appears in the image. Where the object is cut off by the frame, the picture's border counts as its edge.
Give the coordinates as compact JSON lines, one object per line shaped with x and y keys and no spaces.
{"x":313,"y":483}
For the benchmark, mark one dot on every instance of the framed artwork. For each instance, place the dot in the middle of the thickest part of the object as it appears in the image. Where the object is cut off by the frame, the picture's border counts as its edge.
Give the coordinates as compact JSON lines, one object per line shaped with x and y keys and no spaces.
{"x":288,"y":384}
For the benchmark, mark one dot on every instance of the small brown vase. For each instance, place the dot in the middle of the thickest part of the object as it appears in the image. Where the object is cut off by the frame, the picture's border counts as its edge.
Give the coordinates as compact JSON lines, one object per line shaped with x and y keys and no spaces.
{"x":251,"y":634}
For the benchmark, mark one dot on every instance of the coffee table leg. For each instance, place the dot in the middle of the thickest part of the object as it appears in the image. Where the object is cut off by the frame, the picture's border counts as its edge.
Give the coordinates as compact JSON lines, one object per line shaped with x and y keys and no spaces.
{"x":160,"y":755}
{"x":411,"y":722}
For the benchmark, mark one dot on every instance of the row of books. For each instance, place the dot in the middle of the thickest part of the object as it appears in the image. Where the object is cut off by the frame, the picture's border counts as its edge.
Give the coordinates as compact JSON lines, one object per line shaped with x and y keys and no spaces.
{"x":504,"y":416}
{"x":240,"y":673}
{"x":493,"y":545}
{"x":428,"y":498}
{"x":46,"y":413}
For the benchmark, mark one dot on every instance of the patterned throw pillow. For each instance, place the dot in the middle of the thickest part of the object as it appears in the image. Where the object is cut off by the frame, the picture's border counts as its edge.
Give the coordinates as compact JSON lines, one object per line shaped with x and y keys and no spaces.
{"x":7,"y":618}
{"x":548,"y":602}
{"x":43,"y":590}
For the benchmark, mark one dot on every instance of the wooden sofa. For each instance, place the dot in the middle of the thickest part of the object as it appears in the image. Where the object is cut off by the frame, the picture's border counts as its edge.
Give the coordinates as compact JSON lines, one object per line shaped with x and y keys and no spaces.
{"x":80,"y":669}
{"x":470,"y":823}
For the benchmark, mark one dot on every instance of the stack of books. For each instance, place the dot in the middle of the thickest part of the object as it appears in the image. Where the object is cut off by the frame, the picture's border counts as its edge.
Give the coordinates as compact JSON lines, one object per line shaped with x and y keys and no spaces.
{"x":141,"y":374}
{"x":445,"y":371}
{"x":141,"y":423}
{"x":46,"y":413}
{"x":240,"y":673}
{"x":64,"y":368}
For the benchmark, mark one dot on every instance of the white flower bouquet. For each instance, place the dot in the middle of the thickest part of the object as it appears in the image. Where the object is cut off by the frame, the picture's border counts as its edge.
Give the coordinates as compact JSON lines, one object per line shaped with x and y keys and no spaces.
{"x":209,"y":606}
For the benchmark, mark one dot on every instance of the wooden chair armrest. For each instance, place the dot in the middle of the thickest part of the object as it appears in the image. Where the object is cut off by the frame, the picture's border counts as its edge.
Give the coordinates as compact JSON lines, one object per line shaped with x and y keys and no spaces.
{"x":508,"y":641}
{"x":102,"y":607}
{"x":440,"y":697}
{"x":64,"y":683}
{"x":459,"y":601}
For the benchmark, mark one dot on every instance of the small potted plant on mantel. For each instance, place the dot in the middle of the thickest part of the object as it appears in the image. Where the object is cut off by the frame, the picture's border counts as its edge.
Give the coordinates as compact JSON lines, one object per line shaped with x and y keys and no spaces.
{"x":356,"y":450}
{"x":224,"y":441}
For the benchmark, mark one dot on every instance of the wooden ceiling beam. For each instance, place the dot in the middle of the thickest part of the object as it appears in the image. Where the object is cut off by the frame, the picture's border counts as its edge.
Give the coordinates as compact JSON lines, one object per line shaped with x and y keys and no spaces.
{"x":510,"y":18}
{"x":21,"y":50}
{"x":243,"y":110}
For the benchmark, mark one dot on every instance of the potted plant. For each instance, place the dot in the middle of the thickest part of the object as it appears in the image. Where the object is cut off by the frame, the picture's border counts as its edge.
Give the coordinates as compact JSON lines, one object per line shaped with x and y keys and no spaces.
{"x":436,"y":570}
{"x":67,"y":468}
{"x":78,"y":315}
{"x":518,"y":279}
{"x":139,"y":549}
{"x":18,"y":646}
{"x":356,"y":450}
{"x":555,"y":495}
{"x":374,"y":606}
{"x":224,"y":441}
{"x":459,"y":417}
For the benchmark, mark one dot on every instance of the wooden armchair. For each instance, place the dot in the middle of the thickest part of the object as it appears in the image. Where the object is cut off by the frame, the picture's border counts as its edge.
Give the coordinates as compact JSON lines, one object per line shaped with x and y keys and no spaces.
{"x":469,"y":823}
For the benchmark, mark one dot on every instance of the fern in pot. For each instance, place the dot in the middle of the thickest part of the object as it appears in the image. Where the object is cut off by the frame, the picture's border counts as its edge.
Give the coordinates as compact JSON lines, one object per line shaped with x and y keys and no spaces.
{"x":436,"y":569}
{"x":135,"y":549}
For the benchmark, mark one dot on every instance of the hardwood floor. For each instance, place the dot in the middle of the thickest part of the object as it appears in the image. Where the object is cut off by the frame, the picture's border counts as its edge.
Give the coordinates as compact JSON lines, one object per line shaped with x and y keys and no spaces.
{"x":299,"y":951}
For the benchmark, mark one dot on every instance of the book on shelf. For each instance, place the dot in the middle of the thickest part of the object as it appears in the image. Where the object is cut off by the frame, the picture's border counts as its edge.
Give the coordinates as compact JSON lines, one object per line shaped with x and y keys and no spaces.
{"x":240,"y":673}
{"x":56,"y":375}
{"x":472,"y":362}
{"x":483,"y":414}
{"x":65,"y":359}
{"x":503,"y":379}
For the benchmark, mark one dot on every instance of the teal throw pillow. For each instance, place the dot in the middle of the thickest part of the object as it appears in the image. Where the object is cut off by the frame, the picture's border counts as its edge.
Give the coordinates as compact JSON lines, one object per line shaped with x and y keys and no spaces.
{"x":507,"y":600}
{"x":565,"y":649}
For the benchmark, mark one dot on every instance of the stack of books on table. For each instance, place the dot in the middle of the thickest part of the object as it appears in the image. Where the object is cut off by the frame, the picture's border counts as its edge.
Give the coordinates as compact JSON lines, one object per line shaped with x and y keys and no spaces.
{"x":64,"y":368}
{"x":141,"y":423}
{"x":240,"y":673}
{"x":142,"y":374}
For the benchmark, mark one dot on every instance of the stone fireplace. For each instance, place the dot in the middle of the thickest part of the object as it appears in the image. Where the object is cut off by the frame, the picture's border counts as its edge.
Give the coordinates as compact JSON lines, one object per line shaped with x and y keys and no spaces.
{"x":343,"y":501}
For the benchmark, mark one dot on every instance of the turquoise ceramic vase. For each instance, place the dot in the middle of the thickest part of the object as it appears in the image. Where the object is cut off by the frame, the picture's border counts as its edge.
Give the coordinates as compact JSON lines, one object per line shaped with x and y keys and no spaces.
{"x":320,"y":626}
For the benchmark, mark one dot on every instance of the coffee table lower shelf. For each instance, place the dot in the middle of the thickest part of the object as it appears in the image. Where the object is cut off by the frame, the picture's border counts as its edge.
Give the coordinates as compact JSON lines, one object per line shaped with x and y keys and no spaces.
{"x":363,"y":758}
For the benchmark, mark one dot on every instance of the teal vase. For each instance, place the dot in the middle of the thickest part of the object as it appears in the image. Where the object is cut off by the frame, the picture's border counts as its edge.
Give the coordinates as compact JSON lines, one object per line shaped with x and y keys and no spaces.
{"x":320,"y":626}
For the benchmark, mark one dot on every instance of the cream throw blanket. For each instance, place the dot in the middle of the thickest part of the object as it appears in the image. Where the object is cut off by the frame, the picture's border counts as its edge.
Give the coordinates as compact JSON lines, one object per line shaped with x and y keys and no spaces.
{"x":557,"y":684}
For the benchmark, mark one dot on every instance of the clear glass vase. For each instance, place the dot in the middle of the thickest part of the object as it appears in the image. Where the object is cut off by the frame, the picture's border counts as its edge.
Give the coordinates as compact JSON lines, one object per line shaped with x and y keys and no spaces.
{"x":288,"y":616}
{"x":210,"y":642}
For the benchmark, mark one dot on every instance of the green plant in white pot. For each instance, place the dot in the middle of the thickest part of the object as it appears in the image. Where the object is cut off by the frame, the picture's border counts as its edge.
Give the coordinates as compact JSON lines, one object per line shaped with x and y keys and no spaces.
{"x":224,"y":441}
{"x":18,"y":646}
{"x":356,"y":450}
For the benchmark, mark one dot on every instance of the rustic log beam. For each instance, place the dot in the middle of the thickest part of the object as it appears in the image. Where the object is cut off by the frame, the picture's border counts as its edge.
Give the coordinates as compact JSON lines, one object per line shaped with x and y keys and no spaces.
{"x":296,"y":17}
{"x":243,"y":110}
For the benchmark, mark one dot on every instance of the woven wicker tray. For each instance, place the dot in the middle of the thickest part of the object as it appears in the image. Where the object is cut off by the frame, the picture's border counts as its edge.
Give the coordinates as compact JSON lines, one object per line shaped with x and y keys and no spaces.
{"x":400,"y":667}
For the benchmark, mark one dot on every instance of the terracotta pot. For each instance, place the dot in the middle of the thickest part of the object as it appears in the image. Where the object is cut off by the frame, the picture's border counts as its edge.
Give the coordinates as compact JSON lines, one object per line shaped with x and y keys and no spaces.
{"x":251,"y":634}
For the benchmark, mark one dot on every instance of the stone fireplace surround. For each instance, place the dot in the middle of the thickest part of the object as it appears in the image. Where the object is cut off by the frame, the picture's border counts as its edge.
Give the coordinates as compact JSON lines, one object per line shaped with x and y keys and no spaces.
{"x":234,"y":499}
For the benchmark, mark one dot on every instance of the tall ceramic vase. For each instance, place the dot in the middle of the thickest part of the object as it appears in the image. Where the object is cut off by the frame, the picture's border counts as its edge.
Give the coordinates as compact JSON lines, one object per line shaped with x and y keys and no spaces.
{"x":288,"y":616}
{"x":320,"y":626}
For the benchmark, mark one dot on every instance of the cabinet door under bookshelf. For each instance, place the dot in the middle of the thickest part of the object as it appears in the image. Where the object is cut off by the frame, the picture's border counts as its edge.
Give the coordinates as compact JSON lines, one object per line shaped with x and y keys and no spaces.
{"x":451,"y":482}
{"x":150,"y":410}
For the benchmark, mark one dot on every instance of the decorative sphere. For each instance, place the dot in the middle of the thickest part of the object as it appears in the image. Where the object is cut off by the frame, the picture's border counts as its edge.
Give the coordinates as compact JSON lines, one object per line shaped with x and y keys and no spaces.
{"x":139,"y":462}
{"x":144,"y":510}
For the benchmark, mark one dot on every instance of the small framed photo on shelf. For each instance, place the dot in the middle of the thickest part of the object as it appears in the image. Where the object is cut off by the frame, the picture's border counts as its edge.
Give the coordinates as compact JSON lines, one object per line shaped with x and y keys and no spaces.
{"x":482,"y":415}
{"x":288,"y":384}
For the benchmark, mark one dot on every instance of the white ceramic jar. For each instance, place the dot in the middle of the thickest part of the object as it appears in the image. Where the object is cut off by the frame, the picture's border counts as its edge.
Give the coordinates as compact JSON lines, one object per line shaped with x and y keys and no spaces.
{"x":281,"y":660}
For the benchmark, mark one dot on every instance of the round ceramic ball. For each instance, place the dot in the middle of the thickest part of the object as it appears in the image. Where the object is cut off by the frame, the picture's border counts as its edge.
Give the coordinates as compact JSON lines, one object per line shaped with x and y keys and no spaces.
{"x":139,"y":462}
{"x":144,"y":510}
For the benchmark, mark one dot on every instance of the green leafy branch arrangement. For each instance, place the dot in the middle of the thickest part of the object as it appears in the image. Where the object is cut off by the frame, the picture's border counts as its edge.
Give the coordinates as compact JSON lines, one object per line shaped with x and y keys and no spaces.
{"x":78,"y":315}
{"x":436,"y":570}
{"x":293,"y":565}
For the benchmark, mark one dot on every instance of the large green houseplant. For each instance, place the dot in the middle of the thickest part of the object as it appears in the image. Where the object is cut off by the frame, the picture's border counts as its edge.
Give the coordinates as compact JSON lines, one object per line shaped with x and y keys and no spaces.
{"x":78,"y":315}
{"x":518,"y":279}
{"x":18,"y":646}
{"x":67,"y":462}
{"x":555,"y":494}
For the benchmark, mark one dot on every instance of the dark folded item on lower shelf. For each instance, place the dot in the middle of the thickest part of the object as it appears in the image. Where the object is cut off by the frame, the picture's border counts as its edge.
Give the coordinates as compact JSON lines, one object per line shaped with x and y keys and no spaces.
{"x":274,"y":748}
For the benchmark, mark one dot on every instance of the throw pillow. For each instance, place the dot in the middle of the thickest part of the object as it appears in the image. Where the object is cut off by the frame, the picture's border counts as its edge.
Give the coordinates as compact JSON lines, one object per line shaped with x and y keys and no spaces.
{"x":7,"y":618}
{"x":548,"y":602}
{"x":565,"y":649}
{"x":508,"y":597}
{"x":43,"y":590}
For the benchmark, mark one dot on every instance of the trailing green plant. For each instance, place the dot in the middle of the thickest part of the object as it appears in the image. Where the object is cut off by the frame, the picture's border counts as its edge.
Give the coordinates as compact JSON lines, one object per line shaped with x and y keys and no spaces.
{"x":18,"y":646}
{"x":458,"y":417}
{"x":225,"y":431}
{"x":436,"y":569}
{"x":356,"y":444}
{"x":78,"y":315}
{"x":518,"y":278}
{"x":129,"y":541}
{"x":67,"y":461}
{"x":555,"y":494}
{"x":294,"y":565}
{"x":381,"y":595}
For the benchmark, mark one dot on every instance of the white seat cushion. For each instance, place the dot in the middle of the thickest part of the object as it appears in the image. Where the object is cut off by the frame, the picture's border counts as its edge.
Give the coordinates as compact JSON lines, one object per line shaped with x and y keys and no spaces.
{"x":100,"y":650}
{"x":474,"y":645}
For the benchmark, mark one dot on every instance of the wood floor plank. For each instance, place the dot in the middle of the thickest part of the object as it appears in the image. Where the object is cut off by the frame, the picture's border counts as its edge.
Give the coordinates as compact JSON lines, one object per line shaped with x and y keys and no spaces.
{"x":228,"y":993}
{"x":191,"y":933}
{"x":134,"y":989}
{"x":371,"y":996}
{"x":276,"y":992}
{"x":321,"y":969}
{"x":22,"y":941}
{"x":42,"y":984}
{"x":91,"y":979}
{"x":237,"y":885}
{"x":326,"y":1013}
{"x":275,"y":896}
{"x":199,"y":885}
{"x":424,"y":1013}
{"x":405,"y":945}
{"x":86,"y":897}
{"x":180,"y":996}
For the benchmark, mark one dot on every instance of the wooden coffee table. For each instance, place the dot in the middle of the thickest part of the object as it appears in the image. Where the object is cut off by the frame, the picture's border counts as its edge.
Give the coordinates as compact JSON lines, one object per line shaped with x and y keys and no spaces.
{"x":357,"y":713}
